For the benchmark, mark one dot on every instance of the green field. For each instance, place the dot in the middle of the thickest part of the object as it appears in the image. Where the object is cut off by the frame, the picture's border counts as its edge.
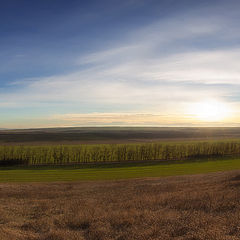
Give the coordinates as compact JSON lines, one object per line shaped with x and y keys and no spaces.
{"x":67,"y":173}
{"x":99,"y":153}
{"x":39,"y":163}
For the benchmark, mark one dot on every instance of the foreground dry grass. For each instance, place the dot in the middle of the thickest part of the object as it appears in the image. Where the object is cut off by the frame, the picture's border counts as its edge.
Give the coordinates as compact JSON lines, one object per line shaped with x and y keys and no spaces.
{"x":205,"y":207}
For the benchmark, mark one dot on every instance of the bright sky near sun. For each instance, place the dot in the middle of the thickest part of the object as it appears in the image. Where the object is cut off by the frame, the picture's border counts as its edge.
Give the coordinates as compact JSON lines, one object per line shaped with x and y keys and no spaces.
{"x":118,"y":63}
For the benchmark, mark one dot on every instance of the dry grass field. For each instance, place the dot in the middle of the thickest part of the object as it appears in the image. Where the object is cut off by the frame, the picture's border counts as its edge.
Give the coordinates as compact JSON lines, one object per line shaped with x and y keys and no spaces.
{"x":199,"y":207}
{"x":96,"y":135}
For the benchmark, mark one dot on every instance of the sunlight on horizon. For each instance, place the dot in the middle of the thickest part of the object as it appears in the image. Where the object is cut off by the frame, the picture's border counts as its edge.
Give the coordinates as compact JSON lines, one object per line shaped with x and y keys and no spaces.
{"x":210,"y":110}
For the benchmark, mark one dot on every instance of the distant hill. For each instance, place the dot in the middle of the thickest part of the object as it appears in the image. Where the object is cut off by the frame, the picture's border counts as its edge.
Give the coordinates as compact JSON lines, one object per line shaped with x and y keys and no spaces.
{"x":91,"y":135}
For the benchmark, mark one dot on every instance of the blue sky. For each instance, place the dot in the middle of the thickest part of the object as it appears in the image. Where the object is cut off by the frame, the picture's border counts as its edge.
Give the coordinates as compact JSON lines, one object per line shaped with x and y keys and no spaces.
{"x":135,"y":62}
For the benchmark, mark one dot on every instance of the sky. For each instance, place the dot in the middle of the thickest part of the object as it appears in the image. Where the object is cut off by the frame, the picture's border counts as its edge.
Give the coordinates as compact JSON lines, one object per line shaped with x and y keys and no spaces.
{"x":119,"y":63}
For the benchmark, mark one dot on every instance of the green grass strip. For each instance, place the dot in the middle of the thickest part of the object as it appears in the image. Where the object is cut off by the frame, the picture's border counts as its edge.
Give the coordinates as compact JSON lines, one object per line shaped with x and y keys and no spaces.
{"x":48,"y":174}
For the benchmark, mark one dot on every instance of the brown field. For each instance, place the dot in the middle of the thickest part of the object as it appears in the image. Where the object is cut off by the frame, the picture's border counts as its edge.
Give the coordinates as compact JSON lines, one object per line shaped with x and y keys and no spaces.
{"x":200,"y":207}
{"x":95,"y":135}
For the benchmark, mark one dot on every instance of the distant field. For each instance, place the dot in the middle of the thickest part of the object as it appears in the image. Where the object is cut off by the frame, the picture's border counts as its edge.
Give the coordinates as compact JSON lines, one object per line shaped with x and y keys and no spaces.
{"x":98,"y":135}
{"x":112,"y":172}
{"x":141,"y":155}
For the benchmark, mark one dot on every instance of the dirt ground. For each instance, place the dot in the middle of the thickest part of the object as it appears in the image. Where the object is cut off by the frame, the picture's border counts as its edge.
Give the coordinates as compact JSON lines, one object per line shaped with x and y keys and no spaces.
{"x":200,"y":207}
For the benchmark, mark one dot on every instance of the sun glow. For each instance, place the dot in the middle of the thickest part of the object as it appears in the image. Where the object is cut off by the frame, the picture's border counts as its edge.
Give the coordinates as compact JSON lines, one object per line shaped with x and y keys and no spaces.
{"x":210,"y":111}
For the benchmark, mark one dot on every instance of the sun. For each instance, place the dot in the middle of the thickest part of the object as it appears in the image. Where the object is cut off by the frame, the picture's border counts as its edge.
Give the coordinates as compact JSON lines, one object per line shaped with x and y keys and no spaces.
{"x":210,"y":111}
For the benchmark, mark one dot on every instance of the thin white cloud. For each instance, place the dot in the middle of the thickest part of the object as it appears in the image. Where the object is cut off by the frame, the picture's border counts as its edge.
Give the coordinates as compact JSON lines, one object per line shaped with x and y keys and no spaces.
{"x":134,"y":119}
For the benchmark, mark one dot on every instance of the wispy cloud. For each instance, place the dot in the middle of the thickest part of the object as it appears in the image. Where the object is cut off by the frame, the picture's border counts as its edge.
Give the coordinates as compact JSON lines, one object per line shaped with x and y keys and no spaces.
{"x":133,"y":119}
